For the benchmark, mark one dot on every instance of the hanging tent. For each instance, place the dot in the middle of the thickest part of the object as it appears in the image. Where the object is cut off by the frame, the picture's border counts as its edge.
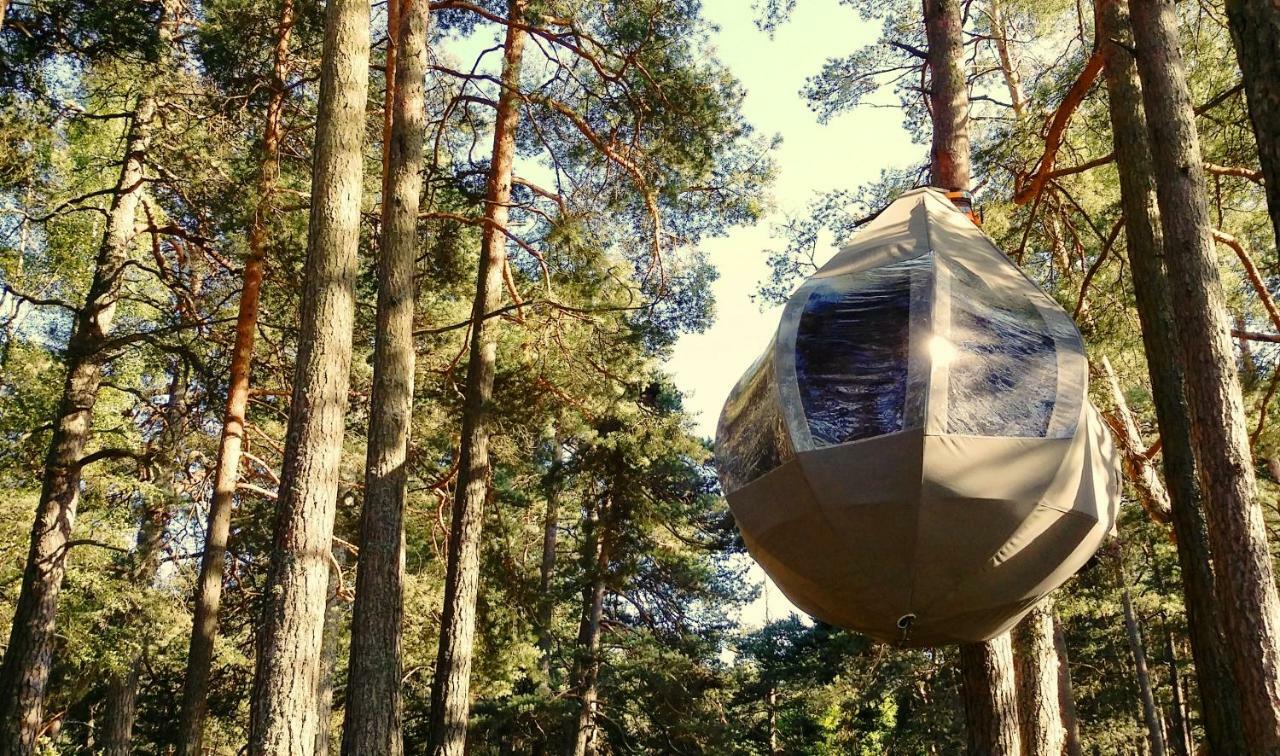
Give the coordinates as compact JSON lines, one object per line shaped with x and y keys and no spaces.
{"x":914,"y":456}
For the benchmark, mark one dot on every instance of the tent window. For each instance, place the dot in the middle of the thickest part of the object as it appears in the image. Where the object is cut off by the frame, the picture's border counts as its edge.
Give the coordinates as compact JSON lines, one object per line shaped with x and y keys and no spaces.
{"x":752,"y":439}
{"x":1004,"y":367}
{"x":852,"y":353}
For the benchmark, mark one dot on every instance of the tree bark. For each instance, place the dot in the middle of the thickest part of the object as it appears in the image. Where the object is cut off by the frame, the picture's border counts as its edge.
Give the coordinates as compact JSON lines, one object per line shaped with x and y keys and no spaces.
{"x":450,"y":689}
{"x":990,"y":698}
{"x":949,"y":96}
{"x":121,"y":708}
{"x":208,"y":596}
{"x":1150,"y":713}
{"x":283,"y":707}
{"x":1036,"y":657}
{"x":1250,"y":607}
{"x":1066,"y":693}
{"x":329,"y":655}
{"x":374,"y":707}
{"x":25,"y":673}
{"x":1008,"y":68}
{"x":1255,"y":29}
{"x":1219,"y":697}
{"x":1178,"y":736}
{"x":547,"y":569}
{"x":587,"y":664}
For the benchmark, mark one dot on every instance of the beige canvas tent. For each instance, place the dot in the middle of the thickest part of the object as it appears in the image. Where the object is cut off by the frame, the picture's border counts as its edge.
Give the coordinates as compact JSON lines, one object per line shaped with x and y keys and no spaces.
{"x":914,"y":456}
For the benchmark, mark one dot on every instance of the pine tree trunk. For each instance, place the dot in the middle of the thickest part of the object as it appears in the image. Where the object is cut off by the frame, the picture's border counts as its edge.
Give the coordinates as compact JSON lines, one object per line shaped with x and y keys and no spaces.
{"x":121,"y":709}
{"x":547,"y":569}
{"x":374,"y":708}
{"x":1066,"y":693}
{"x":28,"y":656}
{"x":1178,"y":737}
{"x":1250,"y":607}
{"x":1150,"y":713}
{"x":990,"y":698}
{"x":1255,"y":29}
{"x":283,"y":707}
{"x":587,"y":665}
{"x":208,"y":597}
{"x":949,"y":95}
{"x":1008,"y":68}
{"x":1036,"y":658}
{"x":329,"y":657}
{"x":1219,"y":697}
{"x":451,"y":686}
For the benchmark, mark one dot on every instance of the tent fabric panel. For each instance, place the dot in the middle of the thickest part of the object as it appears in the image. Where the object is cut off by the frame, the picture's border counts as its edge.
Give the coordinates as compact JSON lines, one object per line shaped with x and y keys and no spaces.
{"x":871,"y":471}
{"x":854,"y":349}
{"x":1063,"y":544}
{"x":957,"y":538}
{"x":793,"y":538}
{"x":752,"y":436}
{"x":897,"y":233}
{"x":1014,"y":469}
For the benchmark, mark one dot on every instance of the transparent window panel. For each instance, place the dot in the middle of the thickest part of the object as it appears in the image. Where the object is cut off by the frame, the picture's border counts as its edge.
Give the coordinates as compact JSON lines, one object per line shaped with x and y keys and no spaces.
{"x":752,"y":438}
{"x":853,"y":353}
{"x":1003,"y":365}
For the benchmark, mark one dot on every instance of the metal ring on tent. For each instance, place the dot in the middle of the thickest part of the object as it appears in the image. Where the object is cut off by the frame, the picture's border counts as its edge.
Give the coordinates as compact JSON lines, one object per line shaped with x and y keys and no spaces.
{"x":904,"y":624}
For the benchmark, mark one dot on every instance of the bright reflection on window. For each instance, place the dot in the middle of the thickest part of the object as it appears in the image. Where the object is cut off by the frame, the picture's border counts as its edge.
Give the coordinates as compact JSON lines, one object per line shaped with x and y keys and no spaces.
{"x":940,"y":350}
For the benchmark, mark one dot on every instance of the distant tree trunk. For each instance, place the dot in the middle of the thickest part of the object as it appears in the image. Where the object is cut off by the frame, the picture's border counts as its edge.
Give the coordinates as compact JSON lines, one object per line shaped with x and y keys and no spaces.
{"x":204,"y":625}
{"x":1039,"y":707}
{"x":990,"y":698}
{"x":1150,"y":712}
{"x":1179,"y":736}
{"x":28,"y":656}
{"x":1255,"y":29}
{"x":1219,"y":697}
{"x":374,"y":707}
{"x":283,"y":706}
{"x":587,"y":659}
{"x":1066,"y":693}
{"x":1008,"y":68}
{"x":121,"y":709}
{"x":1250,"y":607}
{"x":949,"y":95}
{"x":451,"y":687}
{"x":329,"y":656}
{"x":547,"y":570}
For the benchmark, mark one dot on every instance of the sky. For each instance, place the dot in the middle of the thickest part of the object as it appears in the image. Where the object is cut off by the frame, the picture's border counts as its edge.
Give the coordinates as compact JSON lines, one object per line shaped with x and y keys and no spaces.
{"x":845,"y":153}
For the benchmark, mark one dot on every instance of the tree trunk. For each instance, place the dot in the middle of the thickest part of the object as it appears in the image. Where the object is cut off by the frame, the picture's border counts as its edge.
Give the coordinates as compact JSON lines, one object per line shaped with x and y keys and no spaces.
{"x":283,"y":706}
{"x":329,"y":656}
{"x":27,"y":659}
{"x":1219,"y":697}
{"x":1037,"y":678}
{"x":1150,"y":713}
{"x":1179,"y":735}
{"x":1008,"y":68}
{"x":1066,"y":693}
{"x":208,"y":597}
{"x":122,"y":690}
{"x":949,"y":95}
{"x":1250,"y":607}
{"x":450,"y":689}
{"x":990,"y":698}
{"x":547,"y":570}
{"x":1255,"y":29}
{"x":587,"y":664}
{"x":374,"y":708}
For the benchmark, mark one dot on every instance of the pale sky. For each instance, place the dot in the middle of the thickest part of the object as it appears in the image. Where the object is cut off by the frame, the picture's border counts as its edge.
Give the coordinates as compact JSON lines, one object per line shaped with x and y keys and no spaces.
{"x":847,"y":152}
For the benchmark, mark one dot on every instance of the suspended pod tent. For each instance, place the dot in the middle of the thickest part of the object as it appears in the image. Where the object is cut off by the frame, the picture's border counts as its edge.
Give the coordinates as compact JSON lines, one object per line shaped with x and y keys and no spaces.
{"x":914,"y":456}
